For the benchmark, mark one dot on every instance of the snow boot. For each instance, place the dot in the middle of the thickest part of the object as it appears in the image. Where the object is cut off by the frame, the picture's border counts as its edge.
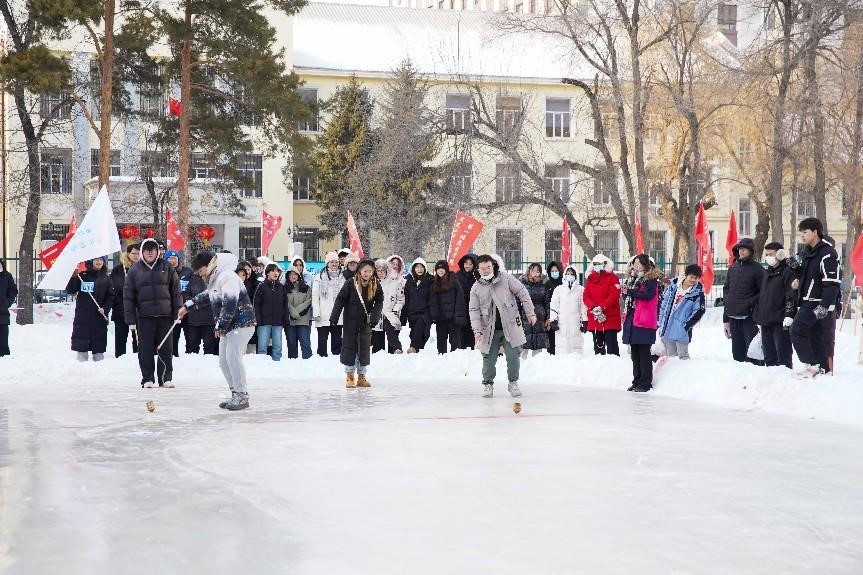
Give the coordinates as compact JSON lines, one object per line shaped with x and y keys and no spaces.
{"x":513,"y":389}
{"x":225,"y":403}
{"x":350,"y":383}
{"x":98,"y":356}
{"x":487,"y":389}
{"x":363,"y":382}
{"x":412,"y":350}
{"x":82,"y":356}
{"x":631,"y":388}
{"x":238,"y":402}
{"x":148,"y":385}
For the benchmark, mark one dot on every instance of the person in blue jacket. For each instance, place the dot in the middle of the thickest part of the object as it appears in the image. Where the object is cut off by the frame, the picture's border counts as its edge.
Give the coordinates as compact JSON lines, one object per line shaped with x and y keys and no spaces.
{"x":682,"y":307}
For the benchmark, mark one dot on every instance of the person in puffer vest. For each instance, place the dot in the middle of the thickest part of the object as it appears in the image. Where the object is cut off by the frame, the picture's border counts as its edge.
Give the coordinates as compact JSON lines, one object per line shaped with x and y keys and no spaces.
{"x":641,"y":294}
{"x":682,"y":307}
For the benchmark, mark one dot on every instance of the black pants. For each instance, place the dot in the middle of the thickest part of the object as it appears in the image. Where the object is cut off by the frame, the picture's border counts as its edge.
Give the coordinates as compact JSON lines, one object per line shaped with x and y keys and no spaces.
{"x":334,"y":332}
{"x":776,"y":343}
{"x":551,"y":333}
{"x":742,"y":333}
{"x":387,"y":338}
{"x":196,"y":334}
{"x":420,"y":331}
{"x":468,"y":339}
{"x":828,"y":330}
{"x":178,"y":331}
{"x":605,"y":342}
{"x":151,"y":330}
{"x":807,"y":335}
{"x":4,"y":340}
{"x":642,"y":366}
{"x":121,"y":336}
{"x":448,"y":329}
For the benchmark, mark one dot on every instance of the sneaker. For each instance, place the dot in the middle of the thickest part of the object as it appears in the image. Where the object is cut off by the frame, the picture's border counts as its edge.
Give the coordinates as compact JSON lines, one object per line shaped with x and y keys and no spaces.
{"x":808,"y":371}
{"x":398,"y":352}
{"x":631,"y":387}
{"x":225,"y":403}
{"x":513,"y":389}
{"x":640,"y":389}
{"x":488,"y":390}
{"x":82,"y":356}
{"x":168,"y":383}
{"x":363,"y":382}
{"x":238,"y":402}
{"x":350,"y":383}
{"x":148,"y":384}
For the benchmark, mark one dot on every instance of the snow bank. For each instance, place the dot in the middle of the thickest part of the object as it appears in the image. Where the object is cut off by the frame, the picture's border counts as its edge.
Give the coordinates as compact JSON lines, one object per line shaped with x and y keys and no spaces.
{"x":41,"y":360}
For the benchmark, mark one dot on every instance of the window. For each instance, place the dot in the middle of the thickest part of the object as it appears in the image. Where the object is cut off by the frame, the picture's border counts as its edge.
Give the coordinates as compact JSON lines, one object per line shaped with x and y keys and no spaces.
{"x":557,"y":118}
{"x":53,"y":232}
{"x":250,"y":243}
{"x":311,"y":244}
{"x":554,"y":246}
{"x":770,"y":20}
{"x":603,"y":183}
{"x":460,"y":179}
{"x":805,"y":204}
{"x":744,"y":151}
{"x":202,"y":167}
{"x":656,"y":246}
{"x":156,"y":165}
{"x":56,"y":106}
{"x":507,"y":182}
{"x":56,"y":171}
{"x":457,"y":113}
{"x":558,"y":179}
{"x":744,"y":217}
{"x":508,"y":246}
{"x":304,"y":188}
{"x":114,"y":169}
{"x":605,"y":242}
{"x":250,"y":168}
{"x":152,"y":94}
{"x":727,"y":17}
{"x":310,"y":97}
{"x":508,"y":116}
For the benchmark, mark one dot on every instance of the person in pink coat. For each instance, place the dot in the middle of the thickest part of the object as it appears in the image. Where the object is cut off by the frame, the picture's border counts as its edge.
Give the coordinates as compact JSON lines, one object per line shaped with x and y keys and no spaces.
{"x":602,"y":300}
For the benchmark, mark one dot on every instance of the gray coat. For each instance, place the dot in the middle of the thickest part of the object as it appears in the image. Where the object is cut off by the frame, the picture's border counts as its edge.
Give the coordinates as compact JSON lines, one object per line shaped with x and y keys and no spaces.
{"x":503,"y":293}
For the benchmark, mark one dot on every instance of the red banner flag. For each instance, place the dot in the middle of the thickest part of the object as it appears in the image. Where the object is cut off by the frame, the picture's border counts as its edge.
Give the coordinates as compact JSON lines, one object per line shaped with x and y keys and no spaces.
{"x":174,"y":107}
{"x":566,"y":244}
{"x":354,"y":237}
{"x":731,"y":238}
{"x":639,"y":235}
{"x":50,"y":254}
{"x":270,"y":224}
{"x":704,"y":251}
{"x":465,"y":230}
{"x":857,"y":262}
{"x":175,"y":239}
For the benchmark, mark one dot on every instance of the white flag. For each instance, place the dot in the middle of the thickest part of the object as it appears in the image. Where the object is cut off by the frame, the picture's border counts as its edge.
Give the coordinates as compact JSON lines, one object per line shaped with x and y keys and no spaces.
{"x":96,"y":236}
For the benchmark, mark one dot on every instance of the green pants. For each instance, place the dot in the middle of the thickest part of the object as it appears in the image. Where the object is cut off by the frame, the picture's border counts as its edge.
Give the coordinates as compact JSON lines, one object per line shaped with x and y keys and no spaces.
{"x":489,"y":360}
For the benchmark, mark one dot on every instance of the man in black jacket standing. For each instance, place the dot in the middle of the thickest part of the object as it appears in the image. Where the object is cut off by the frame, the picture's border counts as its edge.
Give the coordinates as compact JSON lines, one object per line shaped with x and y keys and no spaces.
{"x":776,"y":306}
{"x":8,"y":293}
{"x":118,"y":279}
{"x":151,"y":301}
{"x":818,"y":293}
{"x":741,"y":290}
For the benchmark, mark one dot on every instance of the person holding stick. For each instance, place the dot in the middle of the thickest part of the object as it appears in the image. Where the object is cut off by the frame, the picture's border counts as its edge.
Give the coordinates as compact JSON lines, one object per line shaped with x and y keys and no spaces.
{"x":151,"y":300}
{"x":93,"y":298}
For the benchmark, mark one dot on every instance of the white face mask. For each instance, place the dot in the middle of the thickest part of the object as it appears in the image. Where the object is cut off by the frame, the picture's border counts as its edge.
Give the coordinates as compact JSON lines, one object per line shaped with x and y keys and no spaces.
{"x":598,"y":267}
{"x":569,"y":279}
{"x":770,"y":260}
{"x":488,"y":277}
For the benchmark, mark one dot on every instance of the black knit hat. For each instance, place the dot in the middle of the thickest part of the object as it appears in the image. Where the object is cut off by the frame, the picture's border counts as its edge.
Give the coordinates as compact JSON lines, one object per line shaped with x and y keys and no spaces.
{"x":364,"y":263}
{"x":441,"y":264}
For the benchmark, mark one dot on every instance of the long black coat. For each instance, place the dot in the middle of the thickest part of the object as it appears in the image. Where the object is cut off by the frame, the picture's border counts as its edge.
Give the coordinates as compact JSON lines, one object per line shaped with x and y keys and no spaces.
{"x":202,"y":314}
{"x":742,"y":284}
{"x":151,"y":292}
{"x":448,"y":305}
{"x":356,"y":328}
{"x":776,"y":301}
{"x":89,"y":328}
{"x":465,"y":279}
{"x":8,"y":293}
{"x":537,"y":337}
{"x":118,"y":281}
{"x":418,"y":297}
{"x":270,"y":303}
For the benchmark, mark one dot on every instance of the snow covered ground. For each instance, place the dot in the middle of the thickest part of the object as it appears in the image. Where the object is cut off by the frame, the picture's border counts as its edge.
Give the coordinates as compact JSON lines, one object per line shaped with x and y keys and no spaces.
{"x":706,"y":474}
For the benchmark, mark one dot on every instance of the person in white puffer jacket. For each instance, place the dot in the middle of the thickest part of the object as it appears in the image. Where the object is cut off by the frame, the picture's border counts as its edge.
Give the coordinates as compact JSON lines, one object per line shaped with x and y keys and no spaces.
{"x":568,"y":310}
{"x":327,"y":285}
{"x":394,"y":300}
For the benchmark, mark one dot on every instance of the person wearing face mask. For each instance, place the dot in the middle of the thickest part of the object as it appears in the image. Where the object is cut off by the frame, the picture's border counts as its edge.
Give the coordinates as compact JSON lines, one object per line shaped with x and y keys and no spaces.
{"x":326,"y":287}
{"x":554,"y":280}
{"x":466,"y":277}
{"x":93,"y":297}
{"x":776,"y":307}
{"x":362,"y":301}
{"x":537,"y":334}
{"x":641,"y":295}
{"x":602,"y":300}
{"x":567,"y":312}
{"x":682,"y":307}
{"x":741,"y":291}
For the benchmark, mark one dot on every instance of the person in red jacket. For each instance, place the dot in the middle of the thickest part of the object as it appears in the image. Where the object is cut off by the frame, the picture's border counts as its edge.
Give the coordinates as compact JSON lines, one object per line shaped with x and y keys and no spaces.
{"x":602,"y":300}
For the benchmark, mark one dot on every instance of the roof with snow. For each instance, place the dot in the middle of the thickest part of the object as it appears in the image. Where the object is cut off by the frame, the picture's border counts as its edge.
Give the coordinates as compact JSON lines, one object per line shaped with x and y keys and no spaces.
{"x":448,"y":43}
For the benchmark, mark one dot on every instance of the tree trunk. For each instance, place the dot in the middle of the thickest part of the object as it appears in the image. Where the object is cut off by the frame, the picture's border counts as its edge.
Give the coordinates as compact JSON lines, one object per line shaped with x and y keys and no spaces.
{"x":638,"y":103}
{"x":762,"y":225}
{"x":184,"y":137}
{"x":774,"y":193}
{"x":107,"y":82}
{"x":813,"y":104}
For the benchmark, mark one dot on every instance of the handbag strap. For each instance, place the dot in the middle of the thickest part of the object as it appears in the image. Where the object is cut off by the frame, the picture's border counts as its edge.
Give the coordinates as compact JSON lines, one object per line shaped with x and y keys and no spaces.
{"x":362,"y":301}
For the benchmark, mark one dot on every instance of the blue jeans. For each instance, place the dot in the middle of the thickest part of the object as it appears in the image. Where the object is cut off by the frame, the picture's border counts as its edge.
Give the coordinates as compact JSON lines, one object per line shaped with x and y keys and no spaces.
{"x":303,"y":335}
{"x":265,"y":332}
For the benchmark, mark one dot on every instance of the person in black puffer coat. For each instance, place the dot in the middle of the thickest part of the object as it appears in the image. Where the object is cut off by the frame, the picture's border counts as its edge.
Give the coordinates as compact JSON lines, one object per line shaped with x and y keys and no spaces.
{"x":776,"y":307}
{"x":200,"y":322}
{"x":417,"y":307}
{"x":466,"y":277}
{"x":118,"y":278}
{"x":93,"y":297}
{"x":8,"y":293}
{"x":448,"y":311}
{"x":741,"y":290}
{"x":269,"y":302}
{"x":536,"y":334}
{"x":151,"y":302}
{"x":555,"y":279}
{"x":251,"y":283}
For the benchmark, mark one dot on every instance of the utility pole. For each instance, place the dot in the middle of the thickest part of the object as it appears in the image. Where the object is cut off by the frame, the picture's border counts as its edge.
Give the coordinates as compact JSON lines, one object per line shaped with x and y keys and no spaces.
{"x":3,"y":157}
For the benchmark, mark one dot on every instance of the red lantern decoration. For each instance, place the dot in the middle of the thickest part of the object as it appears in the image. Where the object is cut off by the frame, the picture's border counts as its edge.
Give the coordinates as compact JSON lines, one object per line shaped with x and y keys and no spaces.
{"x":150,"y":233}
{"x":130,"y":232}
{"x":205,"y":234}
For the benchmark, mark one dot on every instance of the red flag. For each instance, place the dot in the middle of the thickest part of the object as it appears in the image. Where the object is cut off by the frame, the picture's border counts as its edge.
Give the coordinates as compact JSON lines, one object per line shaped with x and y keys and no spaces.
{"x":857,"y":261}
{"x":705,"y":251}
{"x":354,"y":237}
{"x":50,"y":254}
{"x":270,"y":224}
{"x":174,"y":107}
{"x":639,"y":235}
{"x":175,"y":239}
{"x":465,"y":230}
{"x":566,"y":244}
{"x":731,"y":238}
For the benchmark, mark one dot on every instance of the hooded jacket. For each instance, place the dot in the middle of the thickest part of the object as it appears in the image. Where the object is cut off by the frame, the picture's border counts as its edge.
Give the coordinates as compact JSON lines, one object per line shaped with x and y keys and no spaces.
{"x":269,"y":303}
{"x":150,"y":290}
{"x":89,"y":328}
{"x":551,"y":284}
{"x":307,"y":276}
{"x":502,"y":295}
{"x":742,"y":283}
{"x":602,"y":289}
{"x":325,"y":289}
{"x":299,"y":302}
{"x":676,"y":321}
{"x":227,"y":296}
{"x":8,"y":293}
{"x":777,"y":299}
{"x":394,"y":292}
{"x":568,"y":310}
{"x":465,"y":279}
{"x":356,"y":324}
{"x":447,"y":305}
{"x":418,"y":292}
{"x":819,"y":276}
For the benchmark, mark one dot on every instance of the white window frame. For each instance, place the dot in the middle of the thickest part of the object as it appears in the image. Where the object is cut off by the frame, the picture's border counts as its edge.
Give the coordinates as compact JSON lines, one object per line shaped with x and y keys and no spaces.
{"x":744,"y":217}
{"x":555,"y":120}
{"x":458,"y":120}
{"x":616,"y":257}
{"x":309,"y":127}
{"x":507,"y":188}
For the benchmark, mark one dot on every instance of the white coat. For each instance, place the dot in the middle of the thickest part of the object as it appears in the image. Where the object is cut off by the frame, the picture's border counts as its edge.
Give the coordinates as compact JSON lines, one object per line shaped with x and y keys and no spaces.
{"x":324,"y":291}
{"x":567,"y":307}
